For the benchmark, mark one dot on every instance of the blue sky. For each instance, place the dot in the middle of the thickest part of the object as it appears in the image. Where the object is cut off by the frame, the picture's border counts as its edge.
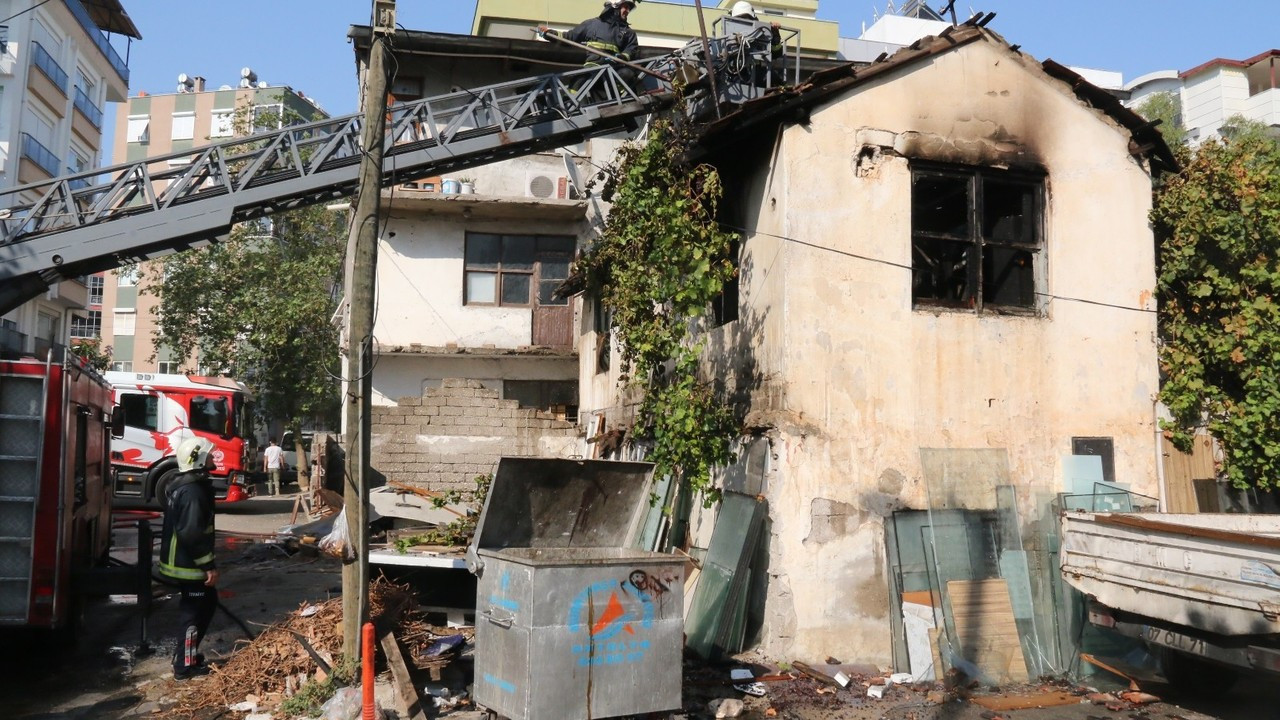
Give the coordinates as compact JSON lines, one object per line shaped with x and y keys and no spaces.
{"x":302,"y":43}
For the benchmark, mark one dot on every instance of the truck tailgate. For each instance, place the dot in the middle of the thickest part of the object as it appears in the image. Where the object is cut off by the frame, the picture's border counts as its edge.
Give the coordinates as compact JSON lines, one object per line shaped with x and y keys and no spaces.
{"x":1216,"y":572}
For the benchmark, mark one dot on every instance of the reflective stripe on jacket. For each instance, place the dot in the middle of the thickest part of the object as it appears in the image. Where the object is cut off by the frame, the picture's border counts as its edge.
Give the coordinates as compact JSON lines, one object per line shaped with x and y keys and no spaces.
{"x":186,"y":544}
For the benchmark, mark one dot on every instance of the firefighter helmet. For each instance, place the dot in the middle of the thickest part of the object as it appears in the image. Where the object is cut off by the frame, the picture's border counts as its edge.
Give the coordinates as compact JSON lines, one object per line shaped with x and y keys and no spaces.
{"x":742,"y":8}
{"x":620,"y":3}
{"x":193,"y":454}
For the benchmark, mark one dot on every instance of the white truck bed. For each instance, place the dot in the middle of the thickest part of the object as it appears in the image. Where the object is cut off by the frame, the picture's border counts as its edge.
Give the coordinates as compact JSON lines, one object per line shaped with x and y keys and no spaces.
{"x":1219,"y":573}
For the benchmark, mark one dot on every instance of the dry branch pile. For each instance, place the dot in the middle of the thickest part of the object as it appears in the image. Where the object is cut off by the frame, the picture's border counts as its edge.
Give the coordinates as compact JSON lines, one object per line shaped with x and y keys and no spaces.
{"x":275,"y":662}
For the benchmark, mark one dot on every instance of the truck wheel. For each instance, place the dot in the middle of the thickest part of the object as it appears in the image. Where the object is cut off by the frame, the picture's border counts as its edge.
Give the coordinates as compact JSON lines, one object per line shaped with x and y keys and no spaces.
{"x":161,"y":490}
{"x":1194,"y":676}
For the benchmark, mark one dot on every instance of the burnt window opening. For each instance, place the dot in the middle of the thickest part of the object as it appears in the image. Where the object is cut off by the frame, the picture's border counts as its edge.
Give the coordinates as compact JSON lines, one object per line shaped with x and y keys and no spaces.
{"x":603,"y":326}
{"x":1103,"y":447}
{"x":724,"y":308}
{"x":976,"y":236}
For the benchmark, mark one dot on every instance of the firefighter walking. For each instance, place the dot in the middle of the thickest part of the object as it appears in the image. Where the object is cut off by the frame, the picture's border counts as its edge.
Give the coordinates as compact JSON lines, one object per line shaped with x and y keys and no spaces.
{"x":186,"y":553}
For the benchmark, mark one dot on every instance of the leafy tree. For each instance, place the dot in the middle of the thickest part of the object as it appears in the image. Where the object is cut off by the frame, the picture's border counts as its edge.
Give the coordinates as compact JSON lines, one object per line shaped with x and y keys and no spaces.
{"x":92,"y":351}
{"x":659,"y":262}
{"x":1167,"y":108}
{"x":258,"y":307}
{"x":1218,"y":228}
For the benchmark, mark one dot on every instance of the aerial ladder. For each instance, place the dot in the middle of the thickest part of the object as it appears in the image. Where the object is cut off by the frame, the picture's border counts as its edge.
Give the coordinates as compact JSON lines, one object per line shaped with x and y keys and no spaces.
{"x":184,"y":200}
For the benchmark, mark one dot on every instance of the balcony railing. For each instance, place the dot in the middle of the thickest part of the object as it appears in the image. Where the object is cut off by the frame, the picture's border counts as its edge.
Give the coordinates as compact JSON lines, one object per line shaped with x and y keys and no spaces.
{"x":99,"y":39}
{"x":39,"y":154}
{"x":77,"y":183}
{"x":49,"y":66}
{"x":88,"y":109}
{"x":11,"y":341}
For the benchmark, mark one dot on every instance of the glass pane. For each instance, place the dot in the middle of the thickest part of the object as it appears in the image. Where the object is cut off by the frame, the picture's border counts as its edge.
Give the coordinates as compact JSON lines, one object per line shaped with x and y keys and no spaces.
{"x":547,"y":291}
{"x":482,"y":287}
{"x":515,"y":289}
{"x":140,"y":411}
{"x":557,"y":269}
{"x":1008,"y":277}
{"x":1009,"y":212}
{"x":483,"y":251}
{"x":556,"y":244}
{"x":518,"y":252}
{"x":209,"y":415}
{"x":940,"y":271}
{"x":940,"y":204}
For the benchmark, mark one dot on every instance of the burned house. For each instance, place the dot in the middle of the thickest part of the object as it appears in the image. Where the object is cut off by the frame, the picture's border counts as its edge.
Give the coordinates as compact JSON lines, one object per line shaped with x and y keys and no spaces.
{"x":945,"y":288}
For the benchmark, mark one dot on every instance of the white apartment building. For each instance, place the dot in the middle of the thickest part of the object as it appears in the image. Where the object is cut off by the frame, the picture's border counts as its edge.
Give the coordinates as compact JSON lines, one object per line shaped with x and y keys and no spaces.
{"x":58,"y":69}
{"x":1213,"y":92}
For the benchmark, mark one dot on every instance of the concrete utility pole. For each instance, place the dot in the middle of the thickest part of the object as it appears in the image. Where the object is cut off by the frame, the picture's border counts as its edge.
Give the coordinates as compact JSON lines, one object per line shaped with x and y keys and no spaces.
{"x":361,"y":271}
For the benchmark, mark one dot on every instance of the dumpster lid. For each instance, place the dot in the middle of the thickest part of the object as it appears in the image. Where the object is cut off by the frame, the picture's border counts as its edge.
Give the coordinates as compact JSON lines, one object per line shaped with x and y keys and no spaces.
{"x":554,"y":503}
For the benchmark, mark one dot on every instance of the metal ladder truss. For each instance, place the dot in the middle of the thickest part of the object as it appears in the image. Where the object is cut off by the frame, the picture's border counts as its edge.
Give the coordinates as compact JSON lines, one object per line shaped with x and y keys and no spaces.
{"x":184,"y":200}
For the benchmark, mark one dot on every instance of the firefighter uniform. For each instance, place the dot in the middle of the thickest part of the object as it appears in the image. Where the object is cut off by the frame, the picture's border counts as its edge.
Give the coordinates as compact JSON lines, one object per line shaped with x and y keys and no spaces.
{"x":608,"y":33}
{"x":186,"y":555}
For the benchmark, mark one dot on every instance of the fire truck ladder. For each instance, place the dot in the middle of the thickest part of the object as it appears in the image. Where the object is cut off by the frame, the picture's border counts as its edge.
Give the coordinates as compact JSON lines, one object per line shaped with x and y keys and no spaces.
{"x":184,"y":200}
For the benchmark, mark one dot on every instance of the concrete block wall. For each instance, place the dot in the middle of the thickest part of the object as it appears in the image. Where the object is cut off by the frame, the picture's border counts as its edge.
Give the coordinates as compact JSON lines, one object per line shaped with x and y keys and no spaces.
{"x":444,"y":439}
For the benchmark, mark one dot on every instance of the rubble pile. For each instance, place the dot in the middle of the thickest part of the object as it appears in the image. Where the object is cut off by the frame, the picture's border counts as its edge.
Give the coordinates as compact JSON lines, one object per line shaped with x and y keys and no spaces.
{"x":278,"y":663}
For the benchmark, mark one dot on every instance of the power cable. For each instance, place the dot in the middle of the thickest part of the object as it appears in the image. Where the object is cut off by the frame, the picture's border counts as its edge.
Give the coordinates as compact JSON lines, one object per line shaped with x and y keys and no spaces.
{"x":23,"y":12}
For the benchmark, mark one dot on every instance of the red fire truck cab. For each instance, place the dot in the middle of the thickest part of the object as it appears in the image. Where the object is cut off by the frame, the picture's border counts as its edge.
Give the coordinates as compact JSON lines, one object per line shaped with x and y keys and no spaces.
{"x":55,"y":495}
{"x":162,"y":410}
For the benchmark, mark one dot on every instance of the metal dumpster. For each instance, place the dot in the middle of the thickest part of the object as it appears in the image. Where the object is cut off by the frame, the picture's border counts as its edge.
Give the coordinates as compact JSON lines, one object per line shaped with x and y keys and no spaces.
{"x":571,"y":622}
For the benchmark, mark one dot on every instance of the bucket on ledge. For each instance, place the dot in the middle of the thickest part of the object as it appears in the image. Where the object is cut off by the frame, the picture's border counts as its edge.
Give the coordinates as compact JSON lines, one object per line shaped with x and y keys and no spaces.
{"x":449,"y":186}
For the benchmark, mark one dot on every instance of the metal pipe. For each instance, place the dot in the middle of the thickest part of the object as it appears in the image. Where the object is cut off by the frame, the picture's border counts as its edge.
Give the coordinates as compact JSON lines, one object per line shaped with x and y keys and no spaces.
{"x":542,"y":33}
{"x":706,"y":56}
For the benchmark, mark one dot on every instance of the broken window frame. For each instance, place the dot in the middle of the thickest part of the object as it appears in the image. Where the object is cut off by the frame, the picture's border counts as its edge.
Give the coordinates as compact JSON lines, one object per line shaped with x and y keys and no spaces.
{"x":977,"y":246}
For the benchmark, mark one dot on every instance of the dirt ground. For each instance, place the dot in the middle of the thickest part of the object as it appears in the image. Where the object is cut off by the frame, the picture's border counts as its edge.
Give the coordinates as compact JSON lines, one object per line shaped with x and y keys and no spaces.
{"x":103,"y":676}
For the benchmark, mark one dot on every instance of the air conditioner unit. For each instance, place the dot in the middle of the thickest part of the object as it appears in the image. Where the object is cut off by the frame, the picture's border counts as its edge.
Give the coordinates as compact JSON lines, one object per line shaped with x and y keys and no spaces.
{"x":546,"y":186}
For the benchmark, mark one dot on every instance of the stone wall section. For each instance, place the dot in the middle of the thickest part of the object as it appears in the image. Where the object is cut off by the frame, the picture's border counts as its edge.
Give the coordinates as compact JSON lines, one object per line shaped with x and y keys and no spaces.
{"x":444,"y":439}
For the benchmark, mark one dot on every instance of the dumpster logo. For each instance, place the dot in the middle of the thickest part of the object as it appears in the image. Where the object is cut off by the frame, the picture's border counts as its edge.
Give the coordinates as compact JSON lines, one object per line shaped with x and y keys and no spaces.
{"x":617,"y":617}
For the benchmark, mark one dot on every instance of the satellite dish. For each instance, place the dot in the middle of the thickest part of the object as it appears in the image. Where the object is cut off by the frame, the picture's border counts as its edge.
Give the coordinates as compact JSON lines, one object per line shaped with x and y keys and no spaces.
{"x":245,"y":72}
{"x":224,"y":87}
{"x":262,"y":85}
{"x":182,"y":78}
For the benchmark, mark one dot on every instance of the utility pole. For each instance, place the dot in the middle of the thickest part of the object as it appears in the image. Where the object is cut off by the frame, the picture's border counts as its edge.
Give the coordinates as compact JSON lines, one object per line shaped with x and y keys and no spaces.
{"x":361,"y":271}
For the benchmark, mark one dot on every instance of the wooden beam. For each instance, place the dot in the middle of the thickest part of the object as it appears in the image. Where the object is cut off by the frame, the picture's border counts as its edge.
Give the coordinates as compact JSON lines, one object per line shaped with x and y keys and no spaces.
{"x":408,"y":701}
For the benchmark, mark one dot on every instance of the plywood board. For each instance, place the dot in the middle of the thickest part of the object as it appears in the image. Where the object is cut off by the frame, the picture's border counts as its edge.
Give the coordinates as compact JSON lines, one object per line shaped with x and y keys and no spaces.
{"x":1028,"y":701}
{"x":986,"y":631}
{"x":1182,"y":470}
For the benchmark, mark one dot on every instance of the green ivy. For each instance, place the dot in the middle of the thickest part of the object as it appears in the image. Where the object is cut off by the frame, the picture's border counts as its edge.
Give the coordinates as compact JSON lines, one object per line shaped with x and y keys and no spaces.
{"x":1218,"y":228}
{"x":660,"y":261}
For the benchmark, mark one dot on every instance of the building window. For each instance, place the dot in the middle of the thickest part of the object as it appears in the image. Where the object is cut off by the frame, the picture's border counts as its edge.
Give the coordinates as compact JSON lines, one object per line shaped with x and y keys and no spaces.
{"x":88,"y":326}
{"x":1102,"y":447}
{"x":976,"y":237}
{"x":184,"y":125}
{"x":122,"y":366}
{"x":169,"y":367}
{"x":603,"y":326}
{"x":505,"y":269}
{"x":127,"y":277}
{"x":95,"y":289}
{"x":139,"y":129}
{"x":123,"y":322}
{"x":224,"y":124}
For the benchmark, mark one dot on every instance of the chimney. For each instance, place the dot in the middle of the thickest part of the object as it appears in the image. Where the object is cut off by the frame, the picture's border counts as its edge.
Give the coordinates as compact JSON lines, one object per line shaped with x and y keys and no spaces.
{"x":199,"y":83}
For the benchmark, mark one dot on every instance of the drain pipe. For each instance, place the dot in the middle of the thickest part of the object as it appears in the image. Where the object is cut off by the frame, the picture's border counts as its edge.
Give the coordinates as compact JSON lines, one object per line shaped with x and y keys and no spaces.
{"x":1164,"y":489}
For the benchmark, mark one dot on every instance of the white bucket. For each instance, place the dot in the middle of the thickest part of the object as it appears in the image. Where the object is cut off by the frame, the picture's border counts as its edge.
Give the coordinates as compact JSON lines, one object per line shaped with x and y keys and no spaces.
{"x":450,"y":187}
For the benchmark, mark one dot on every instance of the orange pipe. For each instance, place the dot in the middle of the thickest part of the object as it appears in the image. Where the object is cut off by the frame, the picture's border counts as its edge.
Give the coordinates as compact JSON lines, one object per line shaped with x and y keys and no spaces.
{"x":366,"y":672}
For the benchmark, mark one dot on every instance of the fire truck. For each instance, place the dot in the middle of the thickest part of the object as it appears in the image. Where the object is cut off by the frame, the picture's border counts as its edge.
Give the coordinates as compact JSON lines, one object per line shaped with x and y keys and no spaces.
{"x":55,"y":498}
{"x":162,"y":410}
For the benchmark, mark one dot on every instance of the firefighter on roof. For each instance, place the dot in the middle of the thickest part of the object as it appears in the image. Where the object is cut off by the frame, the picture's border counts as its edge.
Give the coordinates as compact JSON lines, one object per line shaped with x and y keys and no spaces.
{"x":186,"y":552}
{"x":608,"y":33}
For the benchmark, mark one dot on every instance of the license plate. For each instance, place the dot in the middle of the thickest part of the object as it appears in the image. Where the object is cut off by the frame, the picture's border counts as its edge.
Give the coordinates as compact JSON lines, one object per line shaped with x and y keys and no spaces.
{"x":1174,"y":640}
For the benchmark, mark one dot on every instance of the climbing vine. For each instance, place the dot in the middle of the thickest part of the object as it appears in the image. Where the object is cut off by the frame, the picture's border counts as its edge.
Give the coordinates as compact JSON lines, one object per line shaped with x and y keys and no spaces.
{"x":1218,"y":228}
{"x":659,"y":262}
